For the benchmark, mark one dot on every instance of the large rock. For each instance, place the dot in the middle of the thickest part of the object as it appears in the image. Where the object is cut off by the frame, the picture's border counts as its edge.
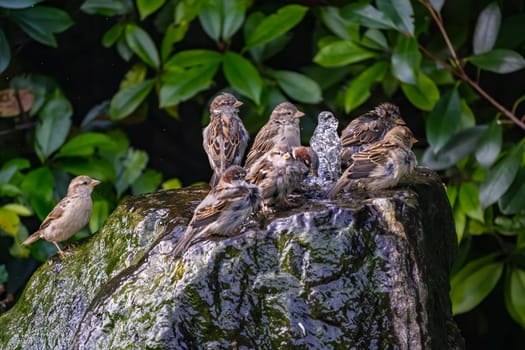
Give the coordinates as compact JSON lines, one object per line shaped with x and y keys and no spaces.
{"x":362,"y":272}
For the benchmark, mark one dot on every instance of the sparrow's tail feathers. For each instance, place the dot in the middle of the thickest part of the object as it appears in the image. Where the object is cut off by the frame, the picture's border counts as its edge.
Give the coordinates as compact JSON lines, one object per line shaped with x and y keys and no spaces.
{"x":333,"y":191}
{"x":215,"y":179}
{"x":33,"y":238}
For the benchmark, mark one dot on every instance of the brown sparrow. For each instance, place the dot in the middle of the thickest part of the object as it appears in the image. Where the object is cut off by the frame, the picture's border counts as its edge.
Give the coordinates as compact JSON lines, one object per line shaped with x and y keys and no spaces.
{"x":277,"y":174}
{"x":368,"y":129}
{"x":307,"y":157}
{"x":69,"y":215}
{"x":281,"y":129}
{"x":381,"y":165}
{"x":225,"y":138}
{"x":223,"y":210}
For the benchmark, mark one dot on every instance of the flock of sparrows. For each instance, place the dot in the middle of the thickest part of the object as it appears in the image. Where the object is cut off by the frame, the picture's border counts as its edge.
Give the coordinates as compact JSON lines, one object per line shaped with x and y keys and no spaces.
{"x":375,"y":149}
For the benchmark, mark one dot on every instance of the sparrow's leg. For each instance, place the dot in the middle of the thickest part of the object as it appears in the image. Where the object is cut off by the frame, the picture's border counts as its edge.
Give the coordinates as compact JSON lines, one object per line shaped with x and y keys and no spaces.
{"x":60,"y":251}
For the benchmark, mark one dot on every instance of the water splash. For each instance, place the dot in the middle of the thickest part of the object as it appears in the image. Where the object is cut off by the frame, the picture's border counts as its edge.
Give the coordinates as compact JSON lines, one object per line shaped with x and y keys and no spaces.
{"x":326,"y":143}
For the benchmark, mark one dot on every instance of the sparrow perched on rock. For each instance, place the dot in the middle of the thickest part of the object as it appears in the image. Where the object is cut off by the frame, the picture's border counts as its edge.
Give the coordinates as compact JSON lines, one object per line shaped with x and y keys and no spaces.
{"x":70,"y":214}
{"x":381,"y":165}
{"x":307,"y":157}
{"x":277,"y":174}
{"x":225,"y":138}
{"x":223,"y":210}
{"x":368,"y":129}
{"x":281,"y":129}
{"x":327,"y":145}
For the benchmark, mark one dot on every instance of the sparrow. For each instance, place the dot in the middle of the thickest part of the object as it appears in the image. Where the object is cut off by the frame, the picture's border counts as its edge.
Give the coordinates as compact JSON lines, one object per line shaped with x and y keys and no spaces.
{"x":308,"y":160}
{"x":225,"y":138}
{"x":381,"y":165}
{"x":281,"y":129}
{"x":70,"y":214}
{"x":223,"y":210}
{"x":368,"y":129}
{"x":277,"y":174}
{"x":327,"y":145}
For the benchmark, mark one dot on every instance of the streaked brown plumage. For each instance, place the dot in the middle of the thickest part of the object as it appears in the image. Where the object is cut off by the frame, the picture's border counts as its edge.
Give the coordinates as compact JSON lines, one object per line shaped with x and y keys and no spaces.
{"x":381,"y":165}
{"x":70,"y":215}
{"x":308,"y":157}
{"x":223,"y":210}
{"x":281,"y":129}
{"x":225,"y":139}
{"x":367,"y":129}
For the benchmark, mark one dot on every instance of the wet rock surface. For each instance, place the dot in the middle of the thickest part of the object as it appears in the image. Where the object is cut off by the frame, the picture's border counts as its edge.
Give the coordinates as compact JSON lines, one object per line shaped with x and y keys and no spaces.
{"x":359,"y":272}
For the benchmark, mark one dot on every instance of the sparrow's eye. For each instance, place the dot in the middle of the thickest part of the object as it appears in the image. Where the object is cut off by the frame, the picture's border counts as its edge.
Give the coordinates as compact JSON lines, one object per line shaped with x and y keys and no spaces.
{"x":84,"y":183}
{"x":289,"y":113}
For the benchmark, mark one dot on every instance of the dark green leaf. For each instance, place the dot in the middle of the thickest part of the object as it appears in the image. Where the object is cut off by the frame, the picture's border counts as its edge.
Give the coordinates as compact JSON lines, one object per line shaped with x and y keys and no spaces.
{"x":173,"y":34}
{"x":111,"y":36}
{"x":424,"y":94}
{"x":489,"y":145}
{"x":515,"y":295}
{"x":192,"y":58}
{"x":452,"y":193}
{"x":53,"y":126}
{"x":148,"y":182}
{"x":367,"y":15}
{"x":276,"y":25}
{"x":3,"y":270}
{"x":107,"y":7}
{"x":243,"y":76}
{"x":233,"y":12}
{"x":132,"y":167}
{"x":40,"y":22}
{"x":374,"y":39}
{"x":180,"y":86}
{"x":135,"y":75}
{"x":5,"y":52}
{"x":500,"y":177}
{"x":123,"y":48}
{"x":298,"y":86}
{"x":147,"y":7}
{"x":140,"y":42}
{"x":406,"y":60}
{"x":85,"y":144}
{"x":99,"y":169}
{"x":11,"y":167}
{"x":400,"y":12}
{"x":469,"y":201}
{"x":99,"y":215}
{"x":359,"y":89}
{"x":473,"y":283}
{"x":487,"y":28}
{"x":459,"y":146}
{"x":341,"y":53}
{"x":498,"y":61}
{"x":128,"y":99}
{"x":441,"y":123}
{"x":18,"y":4}
{"x":210,"y":17}
{"x":332,"y":19}
{"x":38,"y":185}
{"x":513,"y":201}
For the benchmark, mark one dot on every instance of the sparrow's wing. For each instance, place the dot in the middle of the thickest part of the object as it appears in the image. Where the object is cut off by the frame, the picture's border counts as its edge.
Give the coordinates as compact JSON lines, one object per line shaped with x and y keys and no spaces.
{"x":367,"y":162}
{"x":215,"y":204}
{"x":264,"y":142}
{"x":259,"y":171}
{"x":364,"y":130}
{"x":56,"y":213}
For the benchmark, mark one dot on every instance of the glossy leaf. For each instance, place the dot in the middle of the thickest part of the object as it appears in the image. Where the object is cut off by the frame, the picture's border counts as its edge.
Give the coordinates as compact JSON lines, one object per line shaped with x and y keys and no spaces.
{"x":141,"y":44}
{"x":99,"y":215}
{"x":441,"y":123}
{"x":183,"y":85}
{"x":452,"y":193}
{"x":19,"y":209}
{"x":424,"y":94}
{"x":171,"y":184}
{"x":123,"y":49}
{"x":513,"y":201}
{"x":40,"y":22}
{"x":106,"y":7}
{"x":233,"y":12}
{"x":85,"y":144}
{"x":375,"y":39}
{"x":173,"y":34}
{"x":147,"y":7}
{"x":498,"y":61}
{"x":341,"y":53}
{"x":9,"y":221}
{"x":500,"y":177}
{"x":133,"y":165}
{"x":276,"y":25}
{"x":99,"y":169}
{"x":489,"y":145}
{"x":191,"y":58}
{"x":359,"y":89}
{"x":332,"y":19}
{"x":469,"y":201}
{"x":406,"y":60}
{"x":38,"y":185}
{"x":148,"y":182}
{"x":487,"y":28}
{"x":400,"y":12}
{"x":127,"y":100}
{"x":53,"y":126}
{"x":243,"y":76}
{"x":473,"y":283}
{"x":5,"y":51}
{"x":368,"y":16}
{"x":515,"y":295}
{"x":111,"y":36}
{"x":18,"y":4}
{"x":298,"y":86}
{"x":210,"y":17}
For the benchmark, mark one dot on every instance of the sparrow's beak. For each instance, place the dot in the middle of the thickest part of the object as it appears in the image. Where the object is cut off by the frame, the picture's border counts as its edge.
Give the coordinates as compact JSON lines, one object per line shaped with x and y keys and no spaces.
{"x":298,"y":114}
{"x":399,"y":121}
{"x":313,"y":171}
{"x":93,"y":183}
{"x":237,"y":104}
{"x":413,"y":140}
